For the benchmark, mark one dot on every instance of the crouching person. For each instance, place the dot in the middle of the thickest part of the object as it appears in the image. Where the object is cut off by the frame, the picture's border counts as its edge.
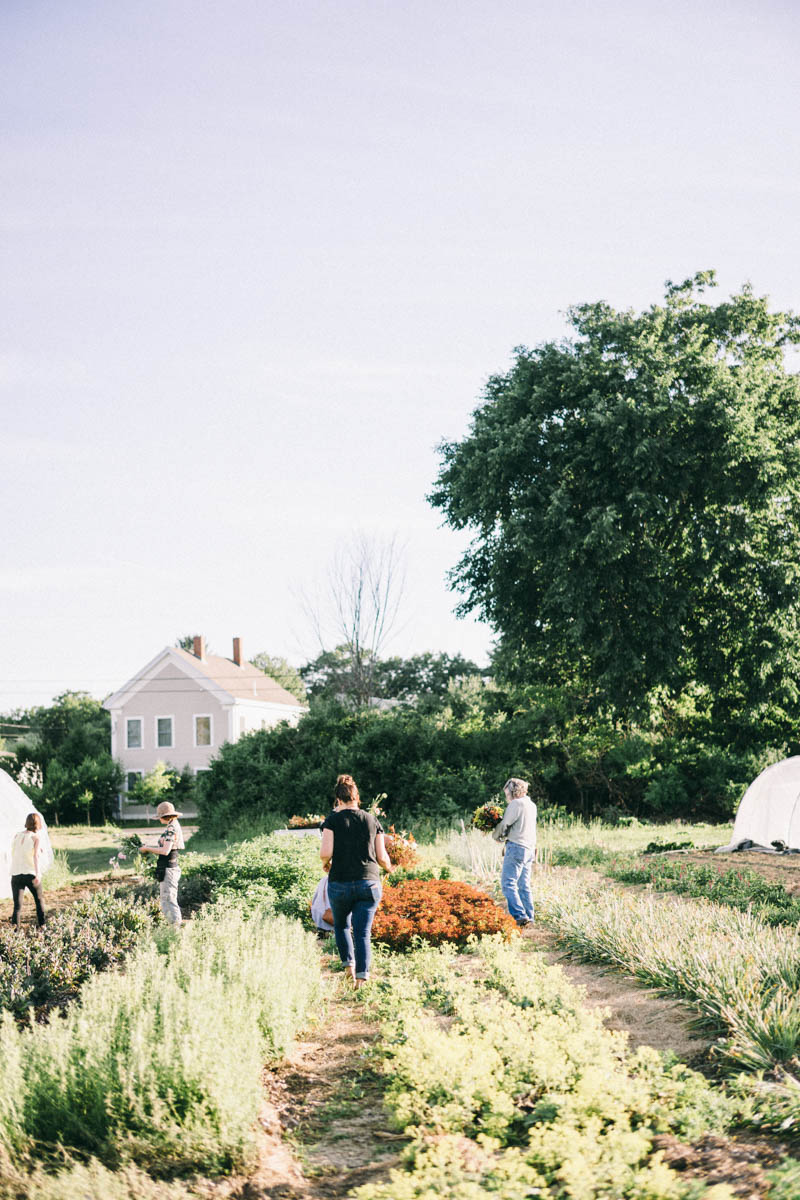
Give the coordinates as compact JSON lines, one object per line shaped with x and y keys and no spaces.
{"x":167,"y":870}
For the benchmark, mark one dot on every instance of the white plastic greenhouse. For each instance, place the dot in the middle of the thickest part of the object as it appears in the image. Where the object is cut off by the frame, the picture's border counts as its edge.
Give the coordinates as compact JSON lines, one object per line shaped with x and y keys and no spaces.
{"x":770,"y":809}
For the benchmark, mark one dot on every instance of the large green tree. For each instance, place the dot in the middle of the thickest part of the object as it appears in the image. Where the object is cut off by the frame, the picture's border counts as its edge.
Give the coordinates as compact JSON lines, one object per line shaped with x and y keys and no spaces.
{"x":64,"y":761}
{"x":634,"y":495}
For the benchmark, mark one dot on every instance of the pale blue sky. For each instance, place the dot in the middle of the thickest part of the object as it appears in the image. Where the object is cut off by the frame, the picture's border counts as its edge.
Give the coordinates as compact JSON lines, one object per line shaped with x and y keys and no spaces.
{"x":259,"y":259}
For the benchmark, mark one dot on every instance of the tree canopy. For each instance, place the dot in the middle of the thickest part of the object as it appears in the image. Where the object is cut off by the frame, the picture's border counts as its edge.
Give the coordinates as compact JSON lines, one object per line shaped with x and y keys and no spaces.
{"x":283,"y":673}
{"x":334,"y":675}
{"x":634,"y":497}
{"x":64,"y":761}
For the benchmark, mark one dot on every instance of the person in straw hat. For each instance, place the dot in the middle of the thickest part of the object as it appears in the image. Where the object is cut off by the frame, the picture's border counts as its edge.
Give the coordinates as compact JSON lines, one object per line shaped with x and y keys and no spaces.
{"x":167,"y":870}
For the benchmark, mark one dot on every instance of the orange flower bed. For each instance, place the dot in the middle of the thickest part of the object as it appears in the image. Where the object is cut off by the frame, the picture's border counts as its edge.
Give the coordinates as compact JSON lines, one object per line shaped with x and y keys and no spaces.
{"x":437,"y":910}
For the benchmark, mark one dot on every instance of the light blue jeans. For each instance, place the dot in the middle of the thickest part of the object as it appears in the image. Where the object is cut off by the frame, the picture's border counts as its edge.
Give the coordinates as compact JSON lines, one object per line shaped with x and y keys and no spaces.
{"x":515,"y":880}
{"x":358,"y":898}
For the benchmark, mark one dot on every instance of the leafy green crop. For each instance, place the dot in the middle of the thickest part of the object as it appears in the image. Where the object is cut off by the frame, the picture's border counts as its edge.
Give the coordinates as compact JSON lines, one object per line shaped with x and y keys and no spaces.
{"x":276,"y":871}
{"x":89,"y":936}
{"x":509,"y":1086}
{"x":740,"y":888}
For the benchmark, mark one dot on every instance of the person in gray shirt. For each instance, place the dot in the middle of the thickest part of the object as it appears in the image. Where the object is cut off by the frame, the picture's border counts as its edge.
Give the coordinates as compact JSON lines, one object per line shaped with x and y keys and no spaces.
{"x":517,"y":829}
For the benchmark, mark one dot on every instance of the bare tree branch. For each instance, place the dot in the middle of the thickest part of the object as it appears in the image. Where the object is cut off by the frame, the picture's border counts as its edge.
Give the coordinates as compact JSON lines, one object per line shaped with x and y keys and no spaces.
{"x":362,"y":597}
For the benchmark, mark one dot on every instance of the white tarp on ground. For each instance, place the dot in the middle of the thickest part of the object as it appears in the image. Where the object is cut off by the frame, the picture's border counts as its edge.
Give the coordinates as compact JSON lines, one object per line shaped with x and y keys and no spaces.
{"x":770,"y":808}
{"x":14,"y":808}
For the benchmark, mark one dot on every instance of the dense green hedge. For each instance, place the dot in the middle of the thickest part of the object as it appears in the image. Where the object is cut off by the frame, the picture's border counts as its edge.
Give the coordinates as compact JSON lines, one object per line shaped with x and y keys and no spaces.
{"x":440,"y":762}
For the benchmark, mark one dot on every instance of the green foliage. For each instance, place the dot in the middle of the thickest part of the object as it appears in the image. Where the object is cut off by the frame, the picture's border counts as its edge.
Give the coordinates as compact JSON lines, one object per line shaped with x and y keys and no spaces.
{"x":739,"y":887}
{"x":153,"y":787}
{"x":89,"y":936}
{"x":634,"y":496}
{"x":522,"y":1091}
{"x":64,"y":764}
{"x":663,"y":847}
{"x":162,"y":1065}
{"x":422,"y":677}
{"x":276,"y":871}
{"x":439,"y":764}
{"x":164,"y":782}
{"x":404,"y":874}
{"x":88,"y":1181}
{"x":785,"y":1181}
{"x":283,"y":673}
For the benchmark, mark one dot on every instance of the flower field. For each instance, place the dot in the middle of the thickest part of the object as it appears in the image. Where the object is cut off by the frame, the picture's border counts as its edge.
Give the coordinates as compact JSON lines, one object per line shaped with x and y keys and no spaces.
{"x":493,"y":1072}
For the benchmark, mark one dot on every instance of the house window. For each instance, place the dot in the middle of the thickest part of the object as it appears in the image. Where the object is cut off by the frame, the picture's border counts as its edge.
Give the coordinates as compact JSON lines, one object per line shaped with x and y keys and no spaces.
{"x":133,"y":733}
{"x":242,"y":724}
{"x":132,"y":780}
{"x":202,"y":731}
{"x":163,"y":731}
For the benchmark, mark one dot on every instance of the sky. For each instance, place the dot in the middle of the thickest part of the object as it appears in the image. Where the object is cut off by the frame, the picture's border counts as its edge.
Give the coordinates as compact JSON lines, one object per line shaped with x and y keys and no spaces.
{"x":261,"y":258}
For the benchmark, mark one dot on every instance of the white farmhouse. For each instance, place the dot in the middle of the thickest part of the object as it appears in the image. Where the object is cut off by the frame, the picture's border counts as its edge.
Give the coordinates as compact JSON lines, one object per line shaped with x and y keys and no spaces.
{"x":181,"y":707}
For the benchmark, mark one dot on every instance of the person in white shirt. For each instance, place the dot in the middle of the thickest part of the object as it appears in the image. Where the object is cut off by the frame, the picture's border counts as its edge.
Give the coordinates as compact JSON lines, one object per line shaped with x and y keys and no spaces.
{"x":26,"y":869}
{"x":517,"y":829}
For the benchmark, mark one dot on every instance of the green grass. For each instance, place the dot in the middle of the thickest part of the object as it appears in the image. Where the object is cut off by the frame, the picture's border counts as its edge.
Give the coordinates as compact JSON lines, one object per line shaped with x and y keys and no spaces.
{"x":574,"y":843}
{"x":85,"y":849}
{"x":565,"y":843}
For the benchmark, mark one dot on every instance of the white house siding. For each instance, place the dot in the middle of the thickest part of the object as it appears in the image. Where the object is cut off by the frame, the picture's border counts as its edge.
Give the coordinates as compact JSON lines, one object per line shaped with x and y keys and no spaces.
{"x":169,"y":694}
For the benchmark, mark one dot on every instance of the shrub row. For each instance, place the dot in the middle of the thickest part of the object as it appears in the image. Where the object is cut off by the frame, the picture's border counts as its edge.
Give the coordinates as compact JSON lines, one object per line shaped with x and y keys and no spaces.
{"x":276,"y":872}
{"x":162,"y":1065}
{"x":88,"y":936}
{"x":509,"y":1086}
{"x":740,"y":888}
{"x":439,"y":764}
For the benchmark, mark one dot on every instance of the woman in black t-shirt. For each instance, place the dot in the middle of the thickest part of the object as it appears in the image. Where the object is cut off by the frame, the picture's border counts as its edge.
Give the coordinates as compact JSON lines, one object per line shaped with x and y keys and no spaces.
{"x":354,"y":848}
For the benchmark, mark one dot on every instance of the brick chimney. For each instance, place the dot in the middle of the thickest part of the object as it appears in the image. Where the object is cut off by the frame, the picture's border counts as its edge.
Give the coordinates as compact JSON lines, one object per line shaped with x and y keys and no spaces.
{"x":237,"y":651}
{"x":199,"y":650}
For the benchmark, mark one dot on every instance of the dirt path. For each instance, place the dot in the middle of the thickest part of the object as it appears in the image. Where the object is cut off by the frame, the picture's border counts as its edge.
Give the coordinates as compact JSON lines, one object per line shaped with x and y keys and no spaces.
{"x":61,"y":897}
{"x":647,"y":1018}
{"x":325,"y":1128}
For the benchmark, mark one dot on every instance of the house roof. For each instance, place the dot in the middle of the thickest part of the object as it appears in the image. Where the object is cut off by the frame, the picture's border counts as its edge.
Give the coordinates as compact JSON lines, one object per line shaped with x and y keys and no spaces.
{"x":245,"y":682}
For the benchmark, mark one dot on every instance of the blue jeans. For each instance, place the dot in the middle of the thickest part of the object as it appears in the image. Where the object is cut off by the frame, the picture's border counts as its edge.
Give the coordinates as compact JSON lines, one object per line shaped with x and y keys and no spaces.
{"x":515,"y":880}
{"x":358,"y":898}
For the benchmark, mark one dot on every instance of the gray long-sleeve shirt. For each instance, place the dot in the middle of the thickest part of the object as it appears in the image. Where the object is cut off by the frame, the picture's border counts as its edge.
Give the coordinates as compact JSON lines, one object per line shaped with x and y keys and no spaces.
{"x":518,"y":823}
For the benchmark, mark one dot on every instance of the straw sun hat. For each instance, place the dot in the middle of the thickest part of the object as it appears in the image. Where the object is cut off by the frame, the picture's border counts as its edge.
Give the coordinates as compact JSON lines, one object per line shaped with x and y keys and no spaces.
{"x":165,"y":809}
